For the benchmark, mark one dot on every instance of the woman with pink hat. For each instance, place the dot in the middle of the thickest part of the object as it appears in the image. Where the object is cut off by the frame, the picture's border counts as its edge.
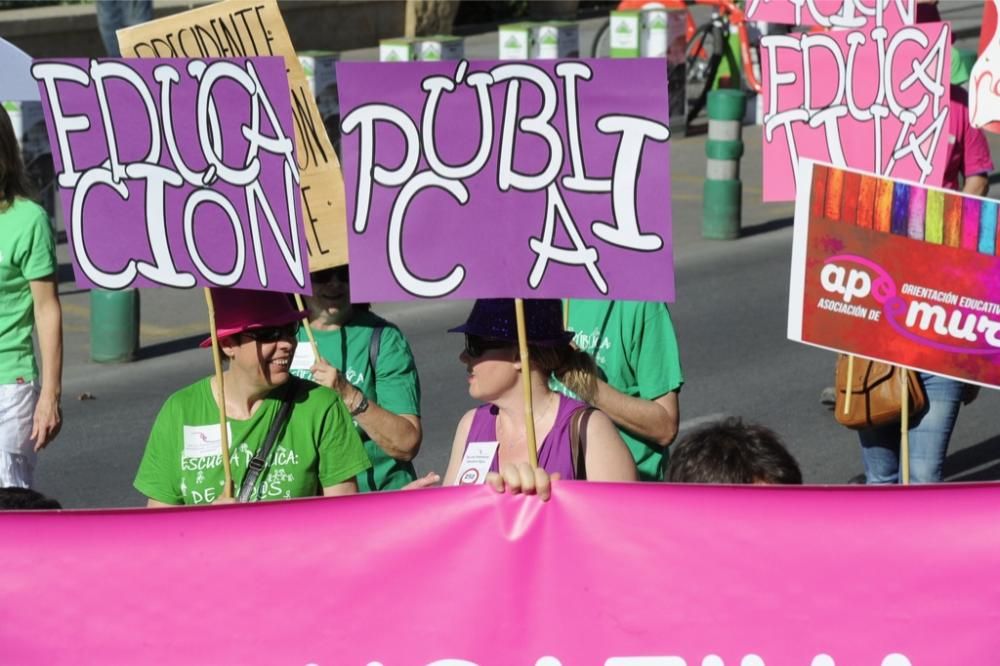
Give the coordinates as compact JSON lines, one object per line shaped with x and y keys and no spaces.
{"x":574,"y":441}
{"x":296,"y":437}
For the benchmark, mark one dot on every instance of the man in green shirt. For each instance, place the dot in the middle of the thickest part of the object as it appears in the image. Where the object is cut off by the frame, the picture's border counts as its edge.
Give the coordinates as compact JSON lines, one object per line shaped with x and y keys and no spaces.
{"x":635,"y":348}
{"x":368,"y":362}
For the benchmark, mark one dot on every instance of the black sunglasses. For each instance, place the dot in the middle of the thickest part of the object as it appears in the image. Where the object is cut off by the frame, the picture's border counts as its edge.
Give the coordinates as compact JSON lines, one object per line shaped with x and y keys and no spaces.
{"x":273,"y":333}
{"x":326,"y":276}
{"x":476,"y":346}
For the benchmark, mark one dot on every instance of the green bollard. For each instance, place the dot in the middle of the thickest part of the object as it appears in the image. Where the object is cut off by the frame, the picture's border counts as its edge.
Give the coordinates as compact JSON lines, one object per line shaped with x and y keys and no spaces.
{"x":114,"y":325}
{"x":722,"y":196}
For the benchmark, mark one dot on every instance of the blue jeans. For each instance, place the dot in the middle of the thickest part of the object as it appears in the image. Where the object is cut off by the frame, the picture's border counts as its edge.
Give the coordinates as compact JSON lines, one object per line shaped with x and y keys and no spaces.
{"x":930,"y":433}
{"x":115,"y":14}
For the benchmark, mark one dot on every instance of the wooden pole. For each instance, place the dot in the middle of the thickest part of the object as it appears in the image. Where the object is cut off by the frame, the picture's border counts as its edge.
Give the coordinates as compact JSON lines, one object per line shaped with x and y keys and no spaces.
{"x":529,"y":416}
{"x":850,"y":375}
{"x":227,"y":490}
{"x":566,"y":314}
{"x":305,"y":322}
{"x":904,"y":435}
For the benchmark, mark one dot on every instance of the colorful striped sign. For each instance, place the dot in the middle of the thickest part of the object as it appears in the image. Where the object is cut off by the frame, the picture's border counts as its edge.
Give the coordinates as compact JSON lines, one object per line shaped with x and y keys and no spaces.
{"x":898,"y":272}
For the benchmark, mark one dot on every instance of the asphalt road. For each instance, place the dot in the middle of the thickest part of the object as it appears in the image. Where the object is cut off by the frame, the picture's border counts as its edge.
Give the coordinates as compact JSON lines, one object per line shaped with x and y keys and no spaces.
{"x":729,"y":313}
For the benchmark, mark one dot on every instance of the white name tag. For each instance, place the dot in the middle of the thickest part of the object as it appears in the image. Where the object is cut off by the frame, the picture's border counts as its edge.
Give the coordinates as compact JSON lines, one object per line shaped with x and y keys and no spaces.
{"x":204,"y":441}
{"x":476,"y":462}
{"x":304,"y":358}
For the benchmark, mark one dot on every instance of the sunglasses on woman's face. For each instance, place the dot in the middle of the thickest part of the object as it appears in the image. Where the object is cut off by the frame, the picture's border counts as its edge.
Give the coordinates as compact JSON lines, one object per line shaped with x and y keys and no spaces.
{"x":340,"y":273}
{"x":476,"y":346}
{"x":273,"y":333}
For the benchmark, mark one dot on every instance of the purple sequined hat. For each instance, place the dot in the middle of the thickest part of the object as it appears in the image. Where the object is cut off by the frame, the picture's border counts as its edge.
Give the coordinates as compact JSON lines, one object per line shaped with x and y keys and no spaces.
{"x":494,"y":318}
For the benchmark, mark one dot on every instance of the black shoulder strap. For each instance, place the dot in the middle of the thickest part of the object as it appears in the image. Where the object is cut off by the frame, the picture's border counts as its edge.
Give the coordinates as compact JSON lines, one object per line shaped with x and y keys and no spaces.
{"x":578,"y":441}
{"x":259,"y":461}
{"x":373,"y":348}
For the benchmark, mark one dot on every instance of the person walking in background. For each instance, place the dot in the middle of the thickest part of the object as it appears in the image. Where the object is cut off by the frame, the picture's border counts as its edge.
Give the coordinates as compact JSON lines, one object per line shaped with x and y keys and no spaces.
{"x":574,"y":441}
{"x":635,"y":348}
{"x":368,"y":362}
{"x":30,"y":416}
{"x":113,"y":15}
{"x":967,"y":169}
{"x":316,"y":450}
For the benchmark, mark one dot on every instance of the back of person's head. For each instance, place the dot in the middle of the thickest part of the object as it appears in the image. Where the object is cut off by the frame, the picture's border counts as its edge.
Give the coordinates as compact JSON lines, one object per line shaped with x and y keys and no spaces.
{"x":731,"y":451}
{"x":17,"y":499}
{"x":13,"y":178}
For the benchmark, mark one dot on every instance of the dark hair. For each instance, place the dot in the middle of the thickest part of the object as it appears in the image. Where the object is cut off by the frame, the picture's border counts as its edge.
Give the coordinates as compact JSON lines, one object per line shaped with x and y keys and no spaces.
{"x":731,"y":451}
{"x":25,"y":498}
{"x":13,"y":178}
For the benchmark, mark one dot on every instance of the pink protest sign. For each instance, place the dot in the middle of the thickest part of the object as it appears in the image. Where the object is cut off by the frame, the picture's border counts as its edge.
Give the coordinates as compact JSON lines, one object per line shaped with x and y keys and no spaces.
{"x":871,"y":99}
{"x":176,"y":173}
{"x":612,"y":574}
{"x":506,"y":179}
{"x":834,"y":13}
{"x":898,"y":272}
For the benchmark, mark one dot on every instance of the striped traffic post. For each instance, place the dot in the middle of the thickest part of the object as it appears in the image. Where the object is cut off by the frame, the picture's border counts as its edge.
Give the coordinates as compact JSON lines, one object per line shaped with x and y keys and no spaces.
{"x":722,"y":204}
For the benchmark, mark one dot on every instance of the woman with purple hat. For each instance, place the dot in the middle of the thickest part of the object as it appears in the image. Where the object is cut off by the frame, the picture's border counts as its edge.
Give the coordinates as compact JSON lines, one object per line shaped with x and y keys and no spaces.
{"x":316,"y":449}
{"x":574,"y":441}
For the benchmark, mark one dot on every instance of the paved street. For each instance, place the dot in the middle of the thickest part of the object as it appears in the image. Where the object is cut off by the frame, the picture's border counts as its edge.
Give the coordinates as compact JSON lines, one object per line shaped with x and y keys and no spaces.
{"x":730,"y":317}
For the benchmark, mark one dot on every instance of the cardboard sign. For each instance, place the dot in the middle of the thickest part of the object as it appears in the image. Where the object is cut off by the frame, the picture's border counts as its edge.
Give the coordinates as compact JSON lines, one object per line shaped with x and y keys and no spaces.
{"x":834,"y":13}
{"x":870,"y":99}
{"x":984,"y":97}
{"x":508,"y":179}
{"x":897,"y":272}
{"x":176,"y":173}
{"x":604,"y":574}
{"x":246,"y":28}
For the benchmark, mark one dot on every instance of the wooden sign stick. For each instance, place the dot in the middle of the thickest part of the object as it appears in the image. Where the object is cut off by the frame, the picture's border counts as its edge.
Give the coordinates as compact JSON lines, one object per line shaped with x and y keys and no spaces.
{"x":305,"y":322}
{"x":227,"y":490}
{"x":850,"y":375}
{"x":904,"y":435}
{"x":522,"y":344}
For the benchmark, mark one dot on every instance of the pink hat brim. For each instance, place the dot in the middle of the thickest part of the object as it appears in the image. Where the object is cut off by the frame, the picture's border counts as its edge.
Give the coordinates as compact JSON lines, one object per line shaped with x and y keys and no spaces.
{"x":284,"y":318}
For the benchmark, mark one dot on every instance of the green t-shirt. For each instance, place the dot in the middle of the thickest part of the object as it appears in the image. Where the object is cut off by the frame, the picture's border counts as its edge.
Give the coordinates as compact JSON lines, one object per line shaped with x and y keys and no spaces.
{"x":636,"y":352}
{"x":316,"y":448}
{"x":27,"y":252}
{"x":394,"y":386}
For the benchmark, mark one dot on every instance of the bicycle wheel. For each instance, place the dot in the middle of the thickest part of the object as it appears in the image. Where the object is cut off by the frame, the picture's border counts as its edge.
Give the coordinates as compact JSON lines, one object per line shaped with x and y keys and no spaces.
{"x":601,"y":46}
{"x":705,"y":52}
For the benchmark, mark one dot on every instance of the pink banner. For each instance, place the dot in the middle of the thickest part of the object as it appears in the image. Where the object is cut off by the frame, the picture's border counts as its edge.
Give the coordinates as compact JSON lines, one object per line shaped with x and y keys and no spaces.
{"x":868,"y":99}
{"x":834,"y":13}
{"x":613,"y":574}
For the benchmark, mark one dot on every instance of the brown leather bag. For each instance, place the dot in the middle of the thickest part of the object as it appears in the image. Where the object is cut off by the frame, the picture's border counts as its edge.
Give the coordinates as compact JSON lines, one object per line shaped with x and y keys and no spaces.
{"x":876,"y":393}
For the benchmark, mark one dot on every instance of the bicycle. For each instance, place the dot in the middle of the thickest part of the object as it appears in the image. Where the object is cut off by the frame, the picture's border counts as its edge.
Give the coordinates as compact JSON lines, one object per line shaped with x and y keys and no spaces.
{"x":707,"y":46}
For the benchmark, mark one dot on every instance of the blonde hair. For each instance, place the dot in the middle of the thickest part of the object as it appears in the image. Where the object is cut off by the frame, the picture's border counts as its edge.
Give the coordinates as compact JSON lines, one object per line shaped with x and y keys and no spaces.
{"x":574,"y":368}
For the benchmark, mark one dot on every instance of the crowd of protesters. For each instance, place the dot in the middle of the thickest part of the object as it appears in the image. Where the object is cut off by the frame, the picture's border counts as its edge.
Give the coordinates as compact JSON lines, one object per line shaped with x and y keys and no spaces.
{"x":335,"y":408}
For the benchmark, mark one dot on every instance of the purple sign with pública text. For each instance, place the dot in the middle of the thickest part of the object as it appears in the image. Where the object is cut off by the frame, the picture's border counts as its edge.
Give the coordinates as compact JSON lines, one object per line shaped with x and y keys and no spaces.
{"x":176,"y":172}
{"x":540,"y":179}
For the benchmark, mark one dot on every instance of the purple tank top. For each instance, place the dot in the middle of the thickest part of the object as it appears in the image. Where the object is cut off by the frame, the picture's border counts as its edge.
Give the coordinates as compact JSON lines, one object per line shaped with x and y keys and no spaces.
{"x":556,"y":452}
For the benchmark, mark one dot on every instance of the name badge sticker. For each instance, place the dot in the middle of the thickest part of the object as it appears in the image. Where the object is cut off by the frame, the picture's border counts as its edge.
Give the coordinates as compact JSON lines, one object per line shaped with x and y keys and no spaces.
{"x":476,"y":462}
{"x":304,"y":357}
{"x":204,"y":441}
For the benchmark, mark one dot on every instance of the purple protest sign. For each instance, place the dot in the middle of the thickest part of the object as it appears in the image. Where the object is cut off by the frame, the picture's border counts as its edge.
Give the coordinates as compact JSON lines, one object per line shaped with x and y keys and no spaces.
{"x":507,"y":179}
{"x":177,"y":173}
